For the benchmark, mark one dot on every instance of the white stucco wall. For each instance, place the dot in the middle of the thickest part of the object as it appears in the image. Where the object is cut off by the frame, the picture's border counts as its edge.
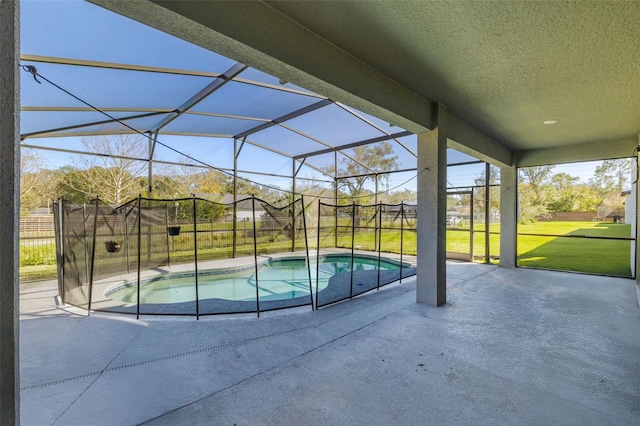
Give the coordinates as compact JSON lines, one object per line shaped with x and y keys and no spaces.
{"x":630,"y":214}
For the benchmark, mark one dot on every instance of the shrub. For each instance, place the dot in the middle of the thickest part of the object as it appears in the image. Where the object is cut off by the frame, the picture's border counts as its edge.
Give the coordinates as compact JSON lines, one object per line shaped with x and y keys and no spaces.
{"x":37,"y":254}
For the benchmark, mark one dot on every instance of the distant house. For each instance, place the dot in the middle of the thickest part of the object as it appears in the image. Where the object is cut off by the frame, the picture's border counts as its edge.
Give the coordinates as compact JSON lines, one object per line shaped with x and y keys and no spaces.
{"x":410,"y":208}
{"x":221,"y":198}
{"x":244,"y":211}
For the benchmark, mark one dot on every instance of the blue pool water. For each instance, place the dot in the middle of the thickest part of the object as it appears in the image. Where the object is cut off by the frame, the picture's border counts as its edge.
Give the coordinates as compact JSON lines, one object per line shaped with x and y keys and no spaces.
{"x":278,"y":279}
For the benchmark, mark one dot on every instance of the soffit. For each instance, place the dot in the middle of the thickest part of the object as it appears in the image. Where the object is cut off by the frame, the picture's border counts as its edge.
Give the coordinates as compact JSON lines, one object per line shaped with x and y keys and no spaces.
{"x":502,"y":67}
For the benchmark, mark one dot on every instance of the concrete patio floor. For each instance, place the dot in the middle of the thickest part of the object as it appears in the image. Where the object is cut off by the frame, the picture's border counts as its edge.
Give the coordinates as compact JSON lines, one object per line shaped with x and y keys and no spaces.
{"x":512,"y":346}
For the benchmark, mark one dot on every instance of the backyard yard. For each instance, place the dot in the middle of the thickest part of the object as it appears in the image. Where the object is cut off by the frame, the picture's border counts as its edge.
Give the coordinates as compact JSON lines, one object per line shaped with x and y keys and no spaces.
{"x":571,"y":252}
{"x":574,"y":252}
{"x":580,"y":248}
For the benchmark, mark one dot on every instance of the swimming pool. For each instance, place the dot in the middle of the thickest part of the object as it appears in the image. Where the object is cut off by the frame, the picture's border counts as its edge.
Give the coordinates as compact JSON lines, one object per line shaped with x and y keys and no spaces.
{"x":277,"y":280}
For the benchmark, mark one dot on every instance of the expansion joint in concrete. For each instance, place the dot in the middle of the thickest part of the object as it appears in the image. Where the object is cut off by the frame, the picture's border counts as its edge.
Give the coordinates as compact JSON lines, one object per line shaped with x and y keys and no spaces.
{"x":166,"y":358}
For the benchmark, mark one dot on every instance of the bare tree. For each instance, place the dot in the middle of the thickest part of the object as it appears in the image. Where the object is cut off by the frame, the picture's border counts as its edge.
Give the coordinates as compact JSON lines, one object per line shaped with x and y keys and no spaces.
{"x":31,"y":165}
{"x":116,"y":175}
{"x":357,"y":171}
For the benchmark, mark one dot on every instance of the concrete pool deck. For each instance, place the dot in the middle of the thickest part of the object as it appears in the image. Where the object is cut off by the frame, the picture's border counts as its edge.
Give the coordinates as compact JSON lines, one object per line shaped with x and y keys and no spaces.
{"x":512,"y":346}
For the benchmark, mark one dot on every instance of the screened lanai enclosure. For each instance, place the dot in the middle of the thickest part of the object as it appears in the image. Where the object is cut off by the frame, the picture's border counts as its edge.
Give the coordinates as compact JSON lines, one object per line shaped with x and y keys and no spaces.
{"x":314,"y":201}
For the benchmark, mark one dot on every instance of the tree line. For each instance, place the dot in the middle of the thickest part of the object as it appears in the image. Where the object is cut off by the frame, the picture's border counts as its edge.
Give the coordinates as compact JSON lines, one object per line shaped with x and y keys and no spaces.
{"x":115,"y":174}
{"x":543,"y":192}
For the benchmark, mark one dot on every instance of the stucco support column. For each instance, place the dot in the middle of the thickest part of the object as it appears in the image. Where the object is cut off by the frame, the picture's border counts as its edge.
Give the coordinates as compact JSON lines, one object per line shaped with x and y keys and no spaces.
{"x":9,"y":199}
{"x":508,"y":216}
{"x":432,"y":211}
{"x":635,"y":223}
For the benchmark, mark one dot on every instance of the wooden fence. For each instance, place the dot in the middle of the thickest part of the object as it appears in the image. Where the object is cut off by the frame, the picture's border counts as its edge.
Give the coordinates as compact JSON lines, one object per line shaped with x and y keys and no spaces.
{"x":40,"y":224}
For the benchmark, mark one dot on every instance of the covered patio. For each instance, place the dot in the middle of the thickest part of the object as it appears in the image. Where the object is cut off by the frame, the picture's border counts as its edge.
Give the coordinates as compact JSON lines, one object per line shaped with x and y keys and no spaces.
{"x":514,"y":85}
{"x":511,"y":346}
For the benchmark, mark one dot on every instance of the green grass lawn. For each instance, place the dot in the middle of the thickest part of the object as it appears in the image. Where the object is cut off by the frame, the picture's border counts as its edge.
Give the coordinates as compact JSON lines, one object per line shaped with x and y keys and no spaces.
{"x":37,"y":272}
{"x":458,"y":240}
{"x":37,"y":260}
{"x":608,"y":257}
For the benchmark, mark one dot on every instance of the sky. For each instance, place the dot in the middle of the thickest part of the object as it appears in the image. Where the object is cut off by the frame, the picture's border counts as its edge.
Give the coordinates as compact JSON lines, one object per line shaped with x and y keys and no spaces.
{"x":85,"y":31}
{"x":81,"y":30}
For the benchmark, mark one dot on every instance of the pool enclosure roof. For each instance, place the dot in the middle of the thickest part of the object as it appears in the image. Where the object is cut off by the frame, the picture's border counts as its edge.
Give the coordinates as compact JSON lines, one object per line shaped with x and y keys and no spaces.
{"x":100,"y":73}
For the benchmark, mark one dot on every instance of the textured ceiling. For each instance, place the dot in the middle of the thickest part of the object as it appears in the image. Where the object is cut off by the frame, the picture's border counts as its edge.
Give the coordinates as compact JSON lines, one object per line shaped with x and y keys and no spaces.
{"x":503,"y":67}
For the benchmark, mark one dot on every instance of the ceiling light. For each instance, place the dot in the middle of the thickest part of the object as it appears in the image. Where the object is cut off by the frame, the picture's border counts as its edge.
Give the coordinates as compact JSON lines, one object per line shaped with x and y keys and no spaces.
{"x":552,"y":121}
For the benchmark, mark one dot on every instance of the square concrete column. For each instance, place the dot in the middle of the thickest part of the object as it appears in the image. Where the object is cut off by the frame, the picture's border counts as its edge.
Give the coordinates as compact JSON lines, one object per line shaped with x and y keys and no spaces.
{"x":432,"y":213}
{"x":508,"y":215}
{"x":635,"y":223}
{"x":9,"y":199}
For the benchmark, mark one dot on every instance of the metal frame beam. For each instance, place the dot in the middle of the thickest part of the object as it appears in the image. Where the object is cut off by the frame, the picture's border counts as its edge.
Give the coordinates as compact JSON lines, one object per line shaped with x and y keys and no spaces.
{"x":259,"y":145}
{"x":286,"y":117}
{"x":220,"y":80}
{"x":412,"y":169}
{"x":131,"y":67}
{"x":356,"y":144}
{"x":171,"y":163}
{"x":244,"y":30}
{"x":296,"y":171}
{"x":202,"y":94}
{"x":380,"y":129}
{"x":153,"y":139}
{"x":94,"y":123}
{"x":304,"y":135}
{"x":112,"y":65}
